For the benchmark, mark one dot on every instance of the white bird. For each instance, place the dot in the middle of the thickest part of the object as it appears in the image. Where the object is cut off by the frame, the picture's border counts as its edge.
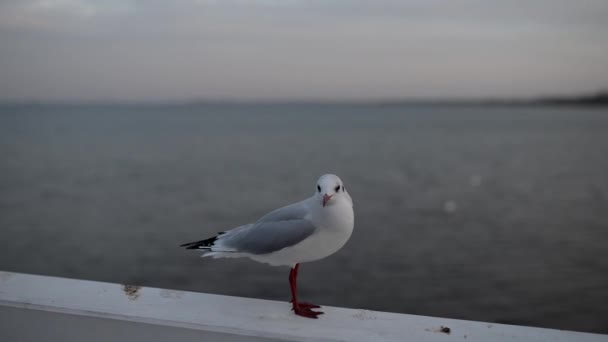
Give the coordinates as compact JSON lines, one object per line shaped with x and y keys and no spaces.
{"x":305,"y":231}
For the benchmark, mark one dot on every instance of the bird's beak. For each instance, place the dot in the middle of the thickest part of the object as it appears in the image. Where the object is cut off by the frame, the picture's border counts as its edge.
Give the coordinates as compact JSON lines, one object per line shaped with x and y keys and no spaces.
{"x":326,"y":199}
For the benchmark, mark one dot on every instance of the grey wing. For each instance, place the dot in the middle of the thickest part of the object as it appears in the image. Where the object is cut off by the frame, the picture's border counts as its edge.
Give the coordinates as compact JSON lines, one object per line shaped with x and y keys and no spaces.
{"x":291,"y":212}
{"x":279,"y":229}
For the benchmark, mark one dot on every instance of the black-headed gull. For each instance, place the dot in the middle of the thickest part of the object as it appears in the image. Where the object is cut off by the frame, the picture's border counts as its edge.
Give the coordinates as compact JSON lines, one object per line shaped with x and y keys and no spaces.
{"x":304,"y":231}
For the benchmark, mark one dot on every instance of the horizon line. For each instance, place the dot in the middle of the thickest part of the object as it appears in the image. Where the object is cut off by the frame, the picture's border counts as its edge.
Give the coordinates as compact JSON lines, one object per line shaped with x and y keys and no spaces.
{"x":598,"y":97}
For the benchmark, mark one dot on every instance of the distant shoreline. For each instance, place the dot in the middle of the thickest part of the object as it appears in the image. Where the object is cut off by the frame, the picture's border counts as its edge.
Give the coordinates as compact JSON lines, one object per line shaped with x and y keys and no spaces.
{"x":599,"y":99}
{"x":595,"y":100}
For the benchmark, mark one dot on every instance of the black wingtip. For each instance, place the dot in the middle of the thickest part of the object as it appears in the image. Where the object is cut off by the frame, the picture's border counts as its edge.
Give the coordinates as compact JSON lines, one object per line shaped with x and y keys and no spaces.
{"x":201,"y":244}
{"x":194,"y":247}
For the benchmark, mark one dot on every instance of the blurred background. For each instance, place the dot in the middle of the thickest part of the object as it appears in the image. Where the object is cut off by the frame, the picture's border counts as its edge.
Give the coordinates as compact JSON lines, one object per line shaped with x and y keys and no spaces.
{"x":472,"y":136}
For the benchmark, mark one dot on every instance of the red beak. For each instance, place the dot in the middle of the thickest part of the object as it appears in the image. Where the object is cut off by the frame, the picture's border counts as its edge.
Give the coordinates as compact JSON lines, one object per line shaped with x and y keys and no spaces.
{"x":326,"y":199}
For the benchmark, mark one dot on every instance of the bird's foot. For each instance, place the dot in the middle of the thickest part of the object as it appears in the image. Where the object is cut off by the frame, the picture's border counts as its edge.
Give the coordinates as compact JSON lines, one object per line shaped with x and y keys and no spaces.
{"x":304,"y":310}
{"x":308,"y":305}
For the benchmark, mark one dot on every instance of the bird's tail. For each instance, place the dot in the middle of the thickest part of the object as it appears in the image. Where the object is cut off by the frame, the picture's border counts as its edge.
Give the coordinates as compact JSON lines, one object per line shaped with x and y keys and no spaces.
{"x":206,"y":244}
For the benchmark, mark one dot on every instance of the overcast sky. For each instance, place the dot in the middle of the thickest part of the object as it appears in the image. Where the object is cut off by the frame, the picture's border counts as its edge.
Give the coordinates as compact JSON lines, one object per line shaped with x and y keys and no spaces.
{"x":122,"y":50}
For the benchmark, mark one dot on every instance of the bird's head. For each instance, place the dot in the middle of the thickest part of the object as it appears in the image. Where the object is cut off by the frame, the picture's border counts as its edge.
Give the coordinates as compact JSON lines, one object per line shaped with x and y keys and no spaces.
{"x":330,"y":190}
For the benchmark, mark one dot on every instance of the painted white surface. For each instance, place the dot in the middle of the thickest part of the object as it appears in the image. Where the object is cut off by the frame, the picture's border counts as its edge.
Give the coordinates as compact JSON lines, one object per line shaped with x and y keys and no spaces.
{"x":172,"y":311}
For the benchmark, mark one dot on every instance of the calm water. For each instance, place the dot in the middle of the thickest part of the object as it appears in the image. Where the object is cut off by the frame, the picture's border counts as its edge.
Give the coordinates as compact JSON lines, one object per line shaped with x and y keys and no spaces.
{"x":488,"y":213}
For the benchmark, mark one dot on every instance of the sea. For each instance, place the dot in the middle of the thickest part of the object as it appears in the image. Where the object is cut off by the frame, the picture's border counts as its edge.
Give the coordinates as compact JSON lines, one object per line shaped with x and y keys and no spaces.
{"x":495,"y":213}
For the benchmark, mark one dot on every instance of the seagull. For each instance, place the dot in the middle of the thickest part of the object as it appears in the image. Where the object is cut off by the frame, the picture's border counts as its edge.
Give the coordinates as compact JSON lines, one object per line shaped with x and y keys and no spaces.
{"x":308,"y":230}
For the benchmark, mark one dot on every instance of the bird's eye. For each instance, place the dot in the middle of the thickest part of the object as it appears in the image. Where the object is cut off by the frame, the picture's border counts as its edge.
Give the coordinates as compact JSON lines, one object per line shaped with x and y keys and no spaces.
{"x":319,"y":188}
{"x":337,"y":188}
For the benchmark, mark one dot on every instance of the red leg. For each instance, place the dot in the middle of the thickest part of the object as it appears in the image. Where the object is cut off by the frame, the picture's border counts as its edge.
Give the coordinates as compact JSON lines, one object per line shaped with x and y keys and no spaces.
{"x":300,"y":309}
{"x":303,"y":304}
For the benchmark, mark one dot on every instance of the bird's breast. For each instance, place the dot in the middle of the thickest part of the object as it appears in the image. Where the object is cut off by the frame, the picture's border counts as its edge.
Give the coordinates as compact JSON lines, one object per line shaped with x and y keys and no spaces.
{"x":338,"y":218}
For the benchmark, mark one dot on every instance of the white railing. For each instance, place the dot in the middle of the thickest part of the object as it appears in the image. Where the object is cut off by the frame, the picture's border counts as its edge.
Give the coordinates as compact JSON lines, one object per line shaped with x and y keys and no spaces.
{"x":57,"y":309}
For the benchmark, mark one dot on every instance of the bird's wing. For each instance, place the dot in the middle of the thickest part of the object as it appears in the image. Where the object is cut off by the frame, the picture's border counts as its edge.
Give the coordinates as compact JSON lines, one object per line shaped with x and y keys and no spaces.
{"x":276,"y":230}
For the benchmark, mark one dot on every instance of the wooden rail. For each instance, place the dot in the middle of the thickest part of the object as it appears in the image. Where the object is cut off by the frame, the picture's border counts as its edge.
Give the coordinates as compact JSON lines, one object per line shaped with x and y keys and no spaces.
{"x":57,"y":309}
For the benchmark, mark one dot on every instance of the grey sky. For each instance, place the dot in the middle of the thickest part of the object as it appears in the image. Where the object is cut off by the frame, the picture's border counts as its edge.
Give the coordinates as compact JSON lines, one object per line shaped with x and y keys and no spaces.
{"x":158,"y":50}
